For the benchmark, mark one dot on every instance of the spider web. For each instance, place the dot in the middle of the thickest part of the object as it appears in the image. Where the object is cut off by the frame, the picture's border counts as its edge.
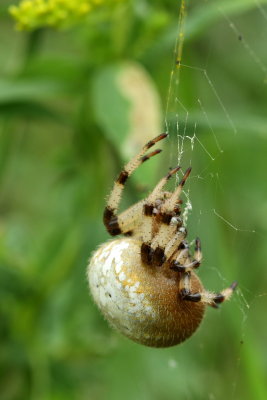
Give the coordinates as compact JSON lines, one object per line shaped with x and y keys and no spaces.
{"x":200,"y":131}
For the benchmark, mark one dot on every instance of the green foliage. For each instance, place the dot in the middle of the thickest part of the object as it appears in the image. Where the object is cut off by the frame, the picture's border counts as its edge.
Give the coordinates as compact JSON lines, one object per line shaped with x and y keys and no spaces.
{"x":34,"y":14}
{"x":74,"y":105}
{"x":107,"y":96}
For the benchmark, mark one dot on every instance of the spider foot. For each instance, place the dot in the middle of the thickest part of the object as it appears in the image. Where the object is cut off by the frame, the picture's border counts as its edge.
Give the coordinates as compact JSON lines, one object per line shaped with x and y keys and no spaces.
{"x":212,"y":299}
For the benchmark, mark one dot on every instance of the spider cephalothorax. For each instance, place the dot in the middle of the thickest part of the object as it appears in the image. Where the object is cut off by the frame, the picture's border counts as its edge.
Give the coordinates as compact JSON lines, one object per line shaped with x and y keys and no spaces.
{"x":144,"y":283}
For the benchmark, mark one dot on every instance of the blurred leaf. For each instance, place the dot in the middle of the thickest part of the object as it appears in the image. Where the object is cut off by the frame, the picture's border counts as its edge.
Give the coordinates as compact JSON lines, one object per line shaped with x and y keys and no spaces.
{"x":208,"y":13}
{"x":15,"y":90}
{"x":112,"y":108}
{"x":31,"y":109}
{"x":127,"y":106}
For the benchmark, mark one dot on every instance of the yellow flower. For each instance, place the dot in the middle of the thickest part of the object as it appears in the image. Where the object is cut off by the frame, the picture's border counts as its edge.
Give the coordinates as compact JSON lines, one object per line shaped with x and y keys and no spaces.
{"x":32,"y":14}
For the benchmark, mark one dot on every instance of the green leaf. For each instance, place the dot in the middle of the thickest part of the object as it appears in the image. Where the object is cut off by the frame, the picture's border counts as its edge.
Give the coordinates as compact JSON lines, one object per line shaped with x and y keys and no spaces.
{"x":15,"y":90}
{"x":127,"y":106}
{"x":30,"y":109}
{"x":112,"y":108}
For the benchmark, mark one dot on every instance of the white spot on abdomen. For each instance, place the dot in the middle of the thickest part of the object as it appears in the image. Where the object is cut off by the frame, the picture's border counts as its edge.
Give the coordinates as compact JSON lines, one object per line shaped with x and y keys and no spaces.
{"x":115,"y":287}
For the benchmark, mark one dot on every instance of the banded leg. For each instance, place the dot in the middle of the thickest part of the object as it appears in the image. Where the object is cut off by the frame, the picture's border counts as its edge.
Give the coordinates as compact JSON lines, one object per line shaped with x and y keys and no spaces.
{"x":151,"y":211}
{"x":129,"y":220}
{"x":206,"y":297}
{"x":169,"y":217}
{"x":158,"y":249}
{"x":176,"y":244}
{"x":176,"y":265}
{"x":110,"y":214}
{"x":172,"y":201}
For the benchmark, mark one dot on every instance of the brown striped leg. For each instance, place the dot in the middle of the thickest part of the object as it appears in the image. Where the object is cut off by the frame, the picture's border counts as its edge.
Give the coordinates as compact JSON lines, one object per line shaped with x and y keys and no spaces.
{"x":168,"y":217}
{"x":168,"y":220}
{"x":110,"y":218}
{"x":176,"y":244}
{"x":209,"y":298}
{"x":129,"y":220}
{"x":170,"y":204}
{"x":151,"y":211}
{"x":176,"y":265}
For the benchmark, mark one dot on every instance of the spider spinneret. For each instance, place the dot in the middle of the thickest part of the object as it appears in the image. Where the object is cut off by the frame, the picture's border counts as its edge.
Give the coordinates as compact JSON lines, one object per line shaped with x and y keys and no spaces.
{"x":144,"y":283}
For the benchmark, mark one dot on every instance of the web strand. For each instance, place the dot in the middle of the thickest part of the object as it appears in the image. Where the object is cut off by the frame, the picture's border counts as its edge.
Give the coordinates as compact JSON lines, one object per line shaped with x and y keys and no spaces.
{"x":247,"y":47}
{"x":203,"y":137}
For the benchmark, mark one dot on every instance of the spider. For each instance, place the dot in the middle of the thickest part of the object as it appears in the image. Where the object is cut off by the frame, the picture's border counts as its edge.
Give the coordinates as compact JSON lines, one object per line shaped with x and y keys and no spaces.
{"x":144,"y":282}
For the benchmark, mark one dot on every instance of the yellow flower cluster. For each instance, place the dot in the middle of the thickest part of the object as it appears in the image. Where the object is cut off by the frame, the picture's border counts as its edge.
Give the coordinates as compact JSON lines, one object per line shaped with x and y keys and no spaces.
{"x":32,"y":14}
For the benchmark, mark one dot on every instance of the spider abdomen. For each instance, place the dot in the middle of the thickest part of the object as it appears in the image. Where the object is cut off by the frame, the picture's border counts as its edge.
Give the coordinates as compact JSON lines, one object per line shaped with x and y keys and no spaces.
{"x":140,"y":301}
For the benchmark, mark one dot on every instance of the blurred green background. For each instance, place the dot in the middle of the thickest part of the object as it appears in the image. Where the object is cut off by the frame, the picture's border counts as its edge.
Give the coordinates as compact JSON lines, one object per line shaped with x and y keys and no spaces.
{"x":75,"y":104}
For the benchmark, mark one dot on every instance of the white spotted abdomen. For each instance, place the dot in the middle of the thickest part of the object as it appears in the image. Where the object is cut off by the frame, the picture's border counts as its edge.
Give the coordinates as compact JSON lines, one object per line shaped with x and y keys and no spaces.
{"x":141,"y":301}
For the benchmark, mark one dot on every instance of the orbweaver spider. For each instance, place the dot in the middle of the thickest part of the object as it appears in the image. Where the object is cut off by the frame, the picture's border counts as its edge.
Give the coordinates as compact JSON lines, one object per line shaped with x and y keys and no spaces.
{"x":144,"y":283}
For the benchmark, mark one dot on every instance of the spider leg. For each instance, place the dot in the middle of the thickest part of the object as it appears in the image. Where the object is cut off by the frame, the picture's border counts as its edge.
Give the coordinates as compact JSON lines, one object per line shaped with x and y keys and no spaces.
{"x":110,"y":218}
{"x":129,"y":220}
{"x":194,"y":263}
{"x":176,"y":243}
{"x":169,"y":205}
{"x":198,"y":252}
{"x":206,"y":297}
{"x":169,"y":222}
{"x":150,"y":216}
